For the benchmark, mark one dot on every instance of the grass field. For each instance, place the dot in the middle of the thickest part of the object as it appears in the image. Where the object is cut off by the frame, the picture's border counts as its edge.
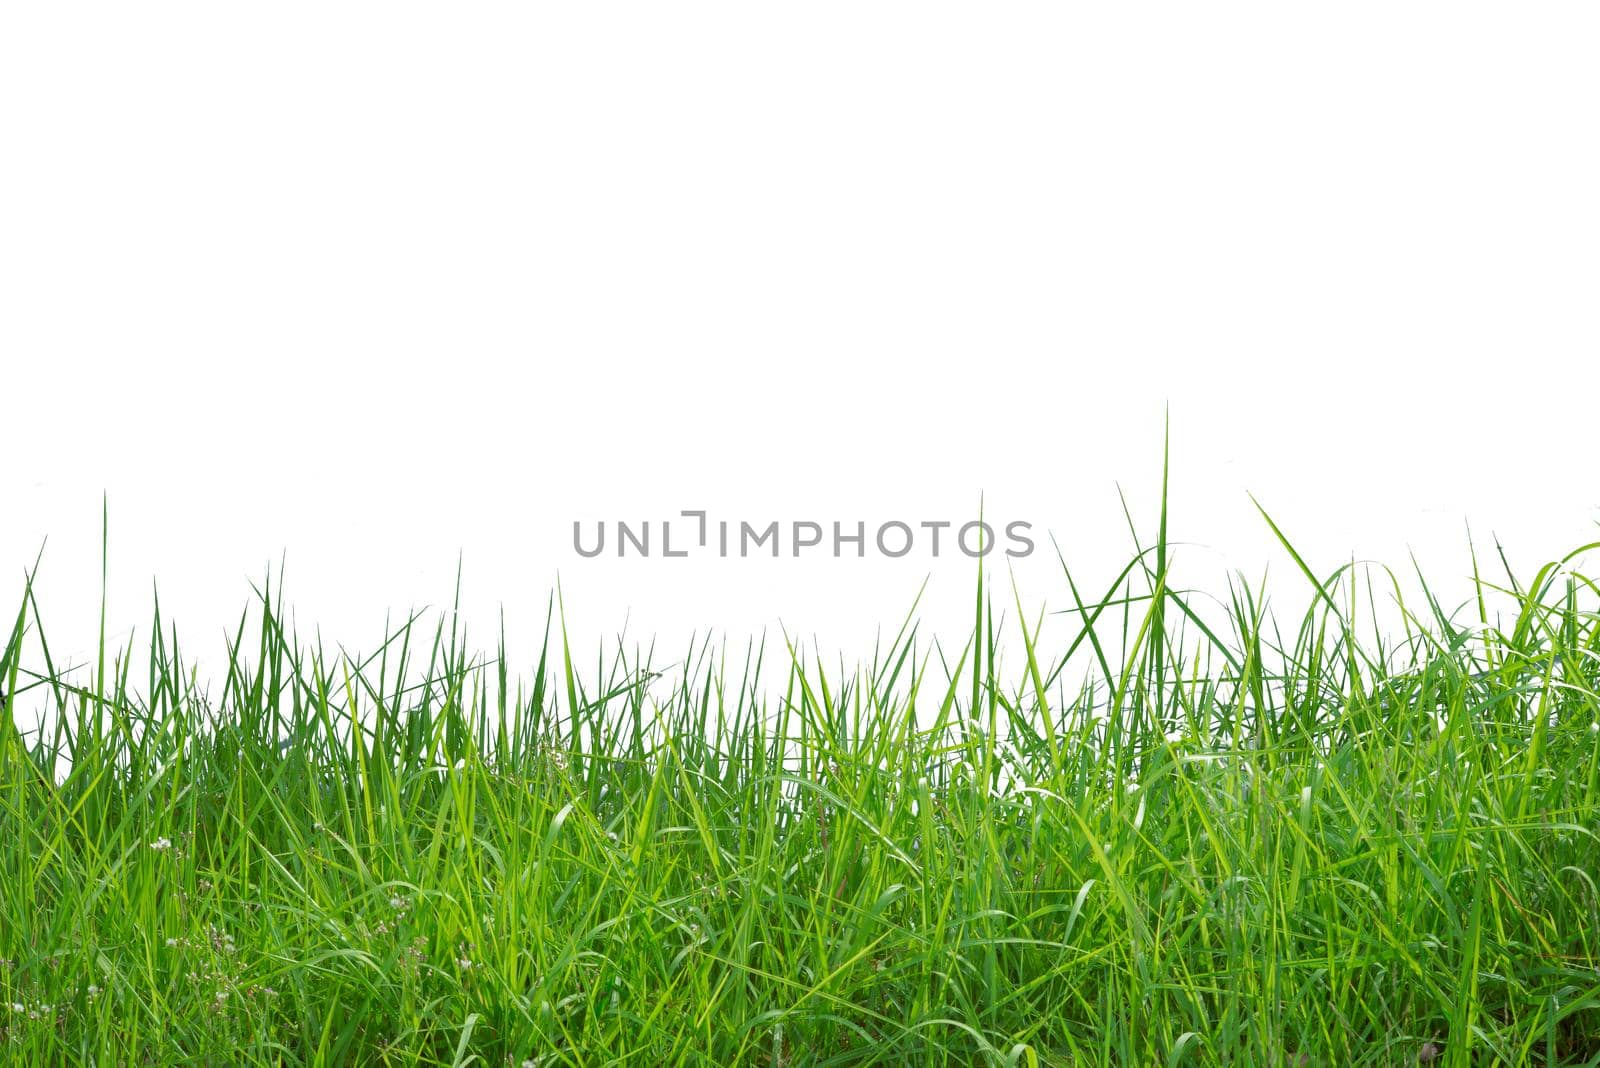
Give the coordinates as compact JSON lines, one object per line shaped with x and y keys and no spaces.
{"x":1182,"y":834}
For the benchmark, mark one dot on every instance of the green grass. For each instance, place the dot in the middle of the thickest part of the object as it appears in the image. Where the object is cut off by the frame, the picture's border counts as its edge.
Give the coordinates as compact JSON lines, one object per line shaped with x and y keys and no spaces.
{"x":1181,"y":834}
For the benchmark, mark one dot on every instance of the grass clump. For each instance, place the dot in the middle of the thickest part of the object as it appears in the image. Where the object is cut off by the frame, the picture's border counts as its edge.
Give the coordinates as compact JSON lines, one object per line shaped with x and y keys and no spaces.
{"x":1183,"y":836}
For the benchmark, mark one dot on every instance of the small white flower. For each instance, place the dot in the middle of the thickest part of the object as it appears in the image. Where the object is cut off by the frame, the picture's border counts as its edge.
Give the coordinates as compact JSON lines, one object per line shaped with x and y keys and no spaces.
{"x":18,"y":1007}
{"x":1131,"y":788}
{"x":161,"y":845}
{"x":172,"y":942}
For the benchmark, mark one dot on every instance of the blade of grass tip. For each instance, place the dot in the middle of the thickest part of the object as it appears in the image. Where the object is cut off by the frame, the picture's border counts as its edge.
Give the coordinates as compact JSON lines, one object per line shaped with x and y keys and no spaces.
{"x":1299,"y":560}
{"x":10,"y":668}
{"x":1038,"y":685}
{"x":105,"y":567}
{"x":566,"y":664}
{"x":900,"y":637}
{"x":1158,"y":623}
{"x":977,"y":631}
{"x":1321,"y":587}
{"x":1490,"y":654}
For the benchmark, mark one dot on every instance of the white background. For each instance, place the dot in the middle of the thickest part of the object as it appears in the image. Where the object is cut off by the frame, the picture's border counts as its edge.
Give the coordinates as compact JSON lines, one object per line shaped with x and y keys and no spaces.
{"x":378,"y":286}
